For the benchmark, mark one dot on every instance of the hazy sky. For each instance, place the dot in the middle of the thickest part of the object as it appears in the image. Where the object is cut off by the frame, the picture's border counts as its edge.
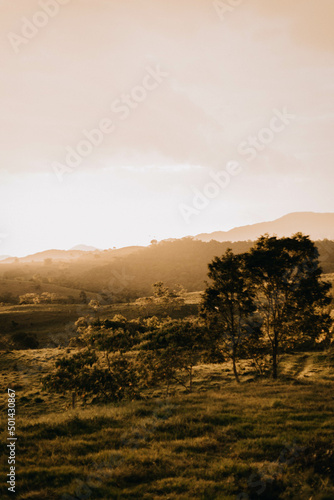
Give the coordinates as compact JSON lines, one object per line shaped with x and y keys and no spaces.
{"x":179,"y":88}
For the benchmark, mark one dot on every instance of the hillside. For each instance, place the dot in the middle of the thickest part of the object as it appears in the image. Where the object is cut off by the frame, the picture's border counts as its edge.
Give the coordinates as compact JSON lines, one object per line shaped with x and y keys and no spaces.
{"x":318,"y":226}
{"x":21,"y":287}
{"x":69,"y":255}
{"x":222,"y":441}
{"x":129,"y":273}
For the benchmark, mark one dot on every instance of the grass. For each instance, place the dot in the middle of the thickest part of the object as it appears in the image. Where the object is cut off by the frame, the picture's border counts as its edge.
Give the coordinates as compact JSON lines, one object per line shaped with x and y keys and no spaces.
{"x":52,"y":324}
{"x":18,"y":287}
{"x":260,"y":439}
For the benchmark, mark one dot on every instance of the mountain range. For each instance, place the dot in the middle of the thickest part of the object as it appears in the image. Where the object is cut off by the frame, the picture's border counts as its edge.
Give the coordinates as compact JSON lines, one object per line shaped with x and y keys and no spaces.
{"x":318,"y":226}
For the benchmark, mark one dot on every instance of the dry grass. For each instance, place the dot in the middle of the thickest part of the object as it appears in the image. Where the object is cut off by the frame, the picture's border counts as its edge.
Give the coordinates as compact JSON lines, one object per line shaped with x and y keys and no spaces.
{"x":259,"y":439}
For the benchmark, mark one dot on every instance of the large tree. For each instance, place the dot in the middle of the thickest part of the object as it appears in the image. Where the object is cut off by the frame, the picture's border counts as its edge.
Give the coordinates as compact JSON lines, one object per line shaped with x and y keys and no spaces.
{"x":290,"y":294}
{"x":228,"y":305}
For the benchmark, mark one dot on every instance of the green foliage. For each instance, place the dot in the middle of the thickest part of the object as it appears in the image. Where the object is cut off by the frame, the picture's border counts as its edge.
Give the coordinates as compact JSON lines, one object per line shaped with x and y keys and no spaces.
{"x":228,"y":306}
{"x":174,"y":347}
{"x":270,"y":297}
{"x":83,"y":374}
{"x":43,"y":298}
{"x":83,"y":297}
{"x":290,"y":295}
{"x":101,"y":367}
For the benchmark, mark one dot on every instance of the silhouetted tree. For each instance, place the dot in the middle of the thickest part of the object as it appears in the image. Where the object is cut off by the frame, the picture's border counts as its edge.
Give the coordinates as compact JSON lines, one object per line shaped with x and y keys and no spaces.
{"x":228,"y":305}
{"x":290,"y":294}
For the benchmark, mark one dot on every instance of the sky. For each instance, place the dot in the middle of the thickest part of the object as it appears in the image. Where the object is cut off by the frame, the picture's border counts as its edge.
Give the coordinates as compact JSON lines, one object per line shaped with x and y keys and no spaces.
{"x":127,"y":121}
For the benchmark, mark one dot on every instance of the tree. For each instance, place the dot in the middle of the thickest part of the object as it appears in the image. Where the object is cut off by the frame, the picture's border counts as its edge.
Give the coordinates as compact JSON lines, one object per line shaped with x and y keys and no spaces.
{"x":108,"y":336}
{"x":173,"y":348}
{"x":163,"y":296}
{"x":104,"y":366}
{"x":94,"y":304}
{"x":84,"y":374}
{"x":228,"y":305}
{"x":83,"y":297}
{"x":290,"y":294}
{"x":160,"y":291}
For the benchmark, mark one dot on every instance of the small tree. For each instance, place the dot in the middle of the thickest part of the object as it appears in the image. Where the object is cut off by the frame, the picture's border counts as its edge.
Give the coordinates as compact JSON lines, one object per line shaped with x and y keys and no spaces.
{"x":94,"y":304}
{"x":84,"y":375}
{"x":165,"y":298}
{"x":83,"y":297}
{"x":174,"y":347}
{"x":228,"y":305}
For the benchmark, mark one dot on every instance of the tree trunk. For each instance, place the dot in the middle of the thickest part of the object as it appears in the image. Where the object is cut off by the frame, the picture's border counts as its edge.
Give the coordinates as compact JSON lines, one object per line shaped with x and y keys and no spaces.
{"x":275,"y":354}
{"x":235,"y":369}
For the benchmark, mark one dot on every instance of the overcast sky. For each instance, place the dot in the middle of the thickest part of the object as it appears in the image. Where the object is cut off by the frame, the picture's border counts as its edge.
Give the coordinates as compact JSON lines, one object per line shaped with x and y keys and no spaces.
{"x":203,"y":80}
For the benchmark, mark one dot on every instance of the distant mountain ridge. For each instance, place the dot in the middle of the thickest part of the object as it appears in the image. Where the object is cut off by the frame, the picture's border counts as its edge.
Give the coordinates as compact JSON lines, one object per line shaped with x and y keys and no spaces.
{"x":70,"y":255}
{"x":318,"y":226}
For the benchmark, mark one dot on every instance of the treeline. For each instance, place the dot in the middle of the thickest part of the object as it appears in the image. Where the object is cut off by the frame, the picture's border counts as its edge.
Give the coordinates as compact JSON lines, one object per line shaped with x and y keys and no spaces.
{"x":259,"y":303}
{"x":127,"y":278}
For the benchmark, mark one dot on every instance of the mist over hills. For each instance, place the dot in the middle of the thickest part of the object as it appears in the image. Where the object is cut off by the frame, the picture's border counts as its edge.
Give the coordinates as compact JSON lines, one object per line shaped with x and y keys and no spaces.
{"x":70,"y":255}
{"x":127,"y":274}
{"x":318,"y":226}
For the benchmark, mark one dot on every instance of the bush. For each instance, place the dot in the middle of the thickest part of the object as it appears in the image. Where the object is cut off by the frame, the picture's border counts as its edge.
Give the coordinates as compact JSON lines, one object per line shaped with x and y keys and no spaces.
{"x":83,"y":374}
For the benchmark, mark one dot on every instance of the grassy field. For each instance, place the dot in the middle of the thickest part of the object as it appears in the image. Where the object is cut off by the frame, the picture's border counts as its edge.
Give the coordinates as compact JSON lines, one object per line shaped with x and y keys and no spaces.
{"x":52,"y":324}
{"x":21,"y":287}
{"x":260,"y":439}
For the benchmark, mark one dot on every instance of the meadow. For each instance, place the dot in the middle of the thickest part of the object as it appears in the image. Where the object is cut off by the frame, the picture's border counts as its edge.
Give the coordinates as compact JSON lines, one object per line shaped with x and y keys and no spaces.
{"x":52,"y":324}
{"x":259,"y":439}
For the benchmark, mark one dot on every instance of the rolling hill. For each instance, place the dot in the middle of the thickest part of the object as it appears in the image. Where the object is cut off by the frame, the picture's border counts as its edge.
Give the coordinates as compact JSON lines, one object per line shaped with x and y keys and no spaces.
{"x":69,"y":255}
